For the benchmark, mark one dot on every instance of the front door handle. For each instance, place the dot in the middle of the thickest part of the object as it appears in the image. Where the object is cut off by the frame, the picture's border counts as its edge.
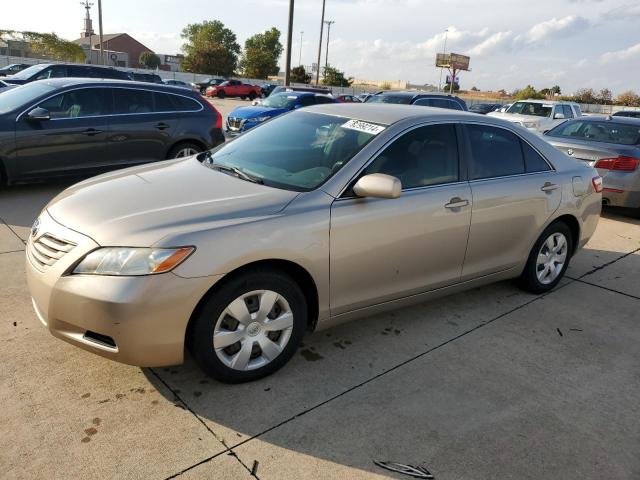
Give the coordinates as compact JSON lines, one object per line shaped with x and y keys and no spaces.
{"x":91,"y":132}
{"x":549,"y":187}
{"x":456,"y":202}
{"x":162,"y":126}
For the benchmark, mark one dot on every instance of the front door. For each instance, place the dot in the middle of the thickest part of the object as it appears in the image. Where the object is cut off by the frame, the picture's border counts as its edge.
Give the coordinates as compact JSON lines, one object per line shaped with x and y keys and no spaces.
{"x":515,"y":191}
{"x":384,"y":249}
{"x":72,"y":140}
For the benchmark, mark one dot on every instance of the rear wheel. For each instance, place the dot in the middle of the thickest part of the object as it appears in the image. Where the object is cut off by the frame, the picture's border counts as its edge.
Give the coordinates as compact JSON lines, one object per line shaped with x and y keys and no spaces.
{"x":252,"y":96}
{"x":185,"y":149}
{"x":220,"y":93}
{"x":250,"y":327}
{"x":548,"y":260}
{"x":243,"y":97}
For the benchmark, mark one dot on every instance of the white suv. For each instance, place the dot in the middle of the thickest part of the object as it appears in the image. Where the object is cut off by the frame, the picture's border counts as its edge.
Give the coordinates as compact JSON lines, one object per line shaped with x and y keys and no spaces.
{"x":539,"y":115}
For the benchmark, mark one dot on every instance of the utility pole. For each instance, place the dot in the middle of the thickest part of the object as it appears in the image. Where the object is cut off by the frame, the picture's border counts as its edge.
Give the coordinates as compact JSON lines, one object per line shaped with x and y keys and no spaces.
{"x":320,"y":44}
{"x":444,"y":50}
{"x":300,"y":56}
{"x":287,"y":71}
{"x":326,"y":60}
{"x":100,"y":31}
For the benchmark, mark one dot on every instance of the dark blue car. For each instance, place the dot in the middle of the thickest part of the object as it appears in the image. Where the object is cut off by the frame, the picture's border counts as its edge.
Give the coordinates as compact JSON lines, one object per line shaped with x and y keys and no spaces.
{"x":243,"y":118}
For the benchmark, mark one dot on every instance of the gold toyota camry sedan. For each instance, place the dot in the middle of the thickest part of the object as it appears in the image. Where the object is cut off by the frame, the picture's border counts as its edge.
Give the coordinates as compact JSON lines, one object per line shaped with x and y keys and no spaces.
{"x":313,"y":218}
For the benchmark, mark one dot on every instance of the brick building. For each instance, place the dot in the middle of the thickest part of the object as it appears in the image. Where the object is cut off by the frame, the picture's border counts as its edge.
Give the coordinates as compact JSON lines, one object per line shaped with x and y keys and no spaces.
{"x":118,"y":42}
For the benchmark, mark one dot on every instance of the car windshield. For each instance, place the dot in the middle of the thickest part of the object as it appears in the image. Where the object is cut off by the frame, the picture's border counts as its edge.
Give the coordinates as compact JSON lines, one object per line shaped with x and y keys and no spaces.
{"x":27,"y":73}
{"x":298,"y":151}
{"x":403,"y":99}
{"x":280,"y":100}
{"x":598,"y":131}
{"x":17,"y":97}
{"x":531,"y":108}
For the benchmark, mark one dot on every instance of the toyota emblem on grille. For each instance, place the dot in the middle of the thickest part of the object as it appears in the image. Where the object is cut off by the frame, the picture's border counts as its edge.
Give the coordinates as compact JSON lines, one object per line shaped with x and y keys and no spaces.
{"x":35,"y":227}
{"x":570,"y":151}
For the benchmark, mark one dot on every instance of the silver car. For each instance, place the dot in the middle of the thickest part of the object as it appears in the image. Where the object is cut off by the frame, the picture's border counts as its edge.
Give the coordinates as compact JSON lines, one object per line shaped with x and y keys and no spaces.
{"x":316,"y":217}
{"x":612,"y":146}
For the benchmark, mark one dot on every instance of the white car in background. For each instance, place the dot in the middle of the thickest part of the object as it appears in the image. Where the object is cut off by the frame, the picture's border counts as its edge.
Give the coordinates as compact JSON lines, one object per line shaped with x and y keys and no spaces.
{"x":539,"y":115}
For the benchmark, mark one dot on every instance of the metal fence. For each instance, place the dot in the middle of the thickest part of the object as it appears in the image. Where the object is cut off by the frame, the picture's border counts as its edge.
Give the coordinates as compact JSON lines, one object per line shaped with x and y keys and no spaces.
{"x":354,"y":90}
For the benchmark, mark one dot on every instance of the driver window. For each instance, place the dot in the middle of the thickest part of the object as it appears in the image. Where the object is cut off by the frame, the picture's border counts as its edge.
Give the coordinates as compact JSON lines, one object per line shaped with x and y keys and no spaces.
{"x":75,"y":104}
{"x":424,"y":156}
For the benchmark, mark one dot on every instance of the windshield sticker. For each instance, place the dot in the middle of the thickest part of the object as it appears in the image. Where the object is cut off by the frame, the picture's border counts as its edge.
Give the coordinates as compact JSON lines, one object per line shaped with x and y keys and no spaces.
{"x":365,"y":127}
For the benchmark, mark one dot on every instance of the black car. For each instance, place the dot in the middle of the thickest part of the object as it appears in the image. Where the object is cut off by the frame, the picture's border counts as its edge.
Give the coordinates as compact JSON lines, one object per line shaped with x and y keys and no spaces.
{"x":202,"y":86}
{"x":12,"y":69}
{"x":145,"y":77}
{"x":59,"y":127}
{"x":267,"y":88}
{"x":177,"y":83}
{"x":628,"y":113}
{"x":44,"y":71}
{"x":438,"y":100}
{"x":484,"y":108}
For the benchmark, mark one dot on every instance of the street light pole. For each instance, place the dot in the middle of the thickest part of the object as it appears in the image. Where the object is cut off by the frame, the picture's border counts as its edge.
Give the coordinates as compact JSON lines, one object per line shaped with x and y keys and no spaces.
{"x":300,"y":56}
{"x":444,"y":50}
{"x":287,"y":71}
{"x":100,"y":31}
{"x":320,"y":44}
{"x":326,"y":60}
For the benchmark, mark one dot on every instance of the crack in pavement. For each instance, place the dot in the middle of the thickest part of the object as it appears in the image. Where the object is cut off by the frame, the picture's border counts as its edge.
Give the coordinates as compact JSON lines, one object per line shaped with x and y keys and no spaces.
{"x":605,"y":288}
{"x":391,"y":369}
{"x":12,"y":230}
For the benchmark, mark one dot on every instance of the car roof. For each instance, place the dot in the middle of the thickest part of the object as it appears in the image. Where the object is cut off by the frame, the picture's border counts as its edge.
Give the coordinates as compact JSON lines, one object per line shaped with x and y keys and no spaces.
{"x":107,"y":82}
{"x":298,"y":94}
{"x":607,"y":118}
{"x":547,"y":102}
{"x":414,"y":93}
{"x":388,"y":113}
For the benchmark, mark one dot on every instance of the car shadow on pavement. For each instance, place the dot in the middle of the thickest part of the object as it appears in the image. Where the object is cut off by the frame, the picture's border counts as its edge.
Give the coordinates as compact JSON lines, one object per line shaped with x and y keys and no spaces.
{"x":328,"y":402}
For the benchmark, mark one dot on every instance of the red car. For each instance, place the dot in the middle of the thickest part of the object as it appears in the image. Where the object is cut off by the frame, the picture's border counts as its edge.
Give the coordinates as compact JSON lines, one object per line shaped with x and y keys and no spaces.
{"x":348,"y":99}
{"x":234,"y":88}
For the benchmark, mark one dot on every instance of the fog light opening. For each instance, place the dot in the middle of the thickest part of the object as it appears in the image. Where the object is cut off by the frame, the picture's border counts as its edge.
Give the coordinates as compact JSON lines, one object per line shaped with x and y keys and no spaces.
{"x":103,"y":340}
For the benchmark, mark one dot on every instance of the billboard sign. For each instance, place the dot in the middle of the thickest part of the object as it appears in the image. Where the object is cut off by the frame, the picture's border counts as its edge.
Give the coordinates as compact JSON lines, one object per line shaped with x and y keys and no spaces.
{"x":452,"y":60}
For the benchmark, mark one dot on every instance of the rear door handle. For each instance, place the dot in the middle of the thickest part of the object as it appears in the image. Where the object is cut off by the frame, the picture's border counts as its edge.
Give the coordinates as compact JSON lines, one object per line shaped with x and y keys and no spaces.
{"x":456,"y":202}
{"x":162,"y":126}
{"x":549,"y":187}
{"x":91,"y":132}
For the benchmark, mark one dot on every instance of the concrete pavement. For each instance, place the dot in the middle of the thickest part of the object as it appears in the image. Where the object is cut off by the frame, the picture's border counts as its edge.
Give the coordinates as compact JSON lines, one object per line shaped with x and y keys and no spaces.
{"x":491,"y":383}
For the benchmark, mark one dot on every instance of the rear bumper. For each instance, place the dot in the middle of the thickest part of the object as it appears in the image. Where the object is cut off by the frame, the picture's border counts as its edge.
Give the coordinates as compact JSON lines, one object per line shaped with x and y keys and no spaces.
{"x":614,"y":197}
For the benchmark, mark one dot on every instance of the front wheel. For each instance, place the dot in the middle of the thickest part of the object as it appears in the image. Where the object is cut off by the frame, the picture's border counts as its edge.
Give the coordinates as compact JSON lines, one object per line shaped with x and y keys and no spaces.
{"x":548,"y":260}
{"x":221,"y":94}
{"x":184,"y":149}
{"x":249,"y":327}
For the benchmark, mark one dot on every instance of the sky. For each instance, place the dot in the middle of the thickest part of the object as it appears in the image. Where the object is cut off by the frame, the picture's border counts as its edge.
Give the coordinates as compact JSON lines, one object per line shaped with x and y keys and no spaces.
{"x":512,"y":43}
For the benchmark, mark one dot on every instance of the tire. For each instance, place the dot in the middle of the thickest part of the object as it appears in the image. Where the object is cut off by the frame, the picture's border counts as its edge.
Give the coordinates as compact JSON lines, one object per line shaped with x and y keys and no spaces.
{"x":203,"y":91}
{"x":539,"y":277}
{"x":183,"y":150}
{"x":242,"y":295}
{"x":220,"y":93}
{"x":252,"y":96}
{"x":243,"y":97}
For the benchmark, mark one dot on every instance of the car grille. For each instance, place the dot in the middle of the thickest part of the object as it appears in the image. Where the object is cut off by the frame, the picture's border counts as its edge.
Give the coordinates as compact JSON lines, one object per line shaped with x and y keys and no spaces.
{"x":234,"y":123}
{"x":47,"y":250}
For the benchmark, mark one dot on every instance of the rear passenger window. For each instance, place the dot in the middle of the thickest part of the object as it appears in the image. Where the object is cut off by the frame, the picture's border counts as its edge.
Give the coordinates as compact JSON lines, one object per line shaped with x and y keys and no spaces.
{"x":320,"y":100}
{"x":163,"y":102}
{"x":130,"y":101}
{"x":425,"y":156}
{"x":495,"y":152}
{"x":532,"y":159}
{"x":184,"y":104}
{"x":424,"y":102}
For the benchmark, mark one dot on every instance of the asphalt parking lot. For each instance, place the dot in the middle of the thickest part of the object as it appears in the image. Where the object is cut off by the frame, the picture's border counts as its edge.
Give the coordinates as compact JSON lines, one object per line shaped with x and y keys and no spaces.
{"x":489,"y":384}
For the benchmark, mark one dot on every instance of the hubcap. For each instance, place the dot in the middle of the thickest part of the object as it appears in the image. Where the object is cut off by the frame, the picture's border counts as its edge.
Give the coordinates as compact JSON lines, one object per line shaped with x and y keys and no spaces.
{"x":186,"y":152}
{"x":253,"y":330}
{"x":551,"y":258}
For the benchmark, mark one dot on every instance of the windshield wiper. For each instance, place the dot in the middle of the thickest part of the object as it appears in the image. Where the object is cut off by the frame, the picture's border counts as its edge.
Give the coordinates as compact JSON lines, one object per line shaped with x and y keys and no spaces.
{"x":237,"y":172}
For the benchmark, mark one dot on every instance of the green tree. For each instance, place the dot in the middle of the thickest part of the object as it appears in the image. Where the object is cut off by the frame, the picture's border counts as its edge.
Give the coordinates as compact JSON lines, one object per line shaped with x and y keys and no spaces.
{"x":300,"y":75}
{"x":210,"y":48}
{"x":48,"y":45}
{"x":605,"y":97}
{"x":628,"y":99}
{"x":585,"y":95}
{"x":447,"y":87}
{"x":527,"y":92}
{"x":556,"y":90}
{"x":261,"y":54}
{"x":475,"y":89}
{"x":336,"y":78}
{"x":149,"y":60}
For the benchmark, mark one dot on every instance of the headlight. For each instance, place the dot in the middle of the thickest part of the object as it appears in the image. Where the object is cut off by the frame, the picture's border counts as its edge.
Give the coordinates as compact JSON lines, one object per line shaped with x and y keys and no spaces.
{"x":132,"y":261}
{"x":258,"y":119}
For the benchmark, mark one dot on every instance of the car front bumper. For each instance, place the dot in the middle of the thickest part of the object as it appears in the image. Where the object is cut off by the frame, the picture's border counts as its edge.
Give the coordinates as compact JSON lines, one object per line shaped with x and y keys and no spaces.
{"x":135,"y":320}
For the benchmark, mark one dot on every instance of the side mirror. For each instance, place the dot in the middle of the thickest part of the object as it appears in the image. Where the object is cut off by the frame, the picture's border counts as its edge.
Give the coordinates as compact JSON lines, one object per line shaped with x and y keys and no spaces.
{"x":378,"y":185}
{"x":558,"y":116}
{"x":38,"y":115}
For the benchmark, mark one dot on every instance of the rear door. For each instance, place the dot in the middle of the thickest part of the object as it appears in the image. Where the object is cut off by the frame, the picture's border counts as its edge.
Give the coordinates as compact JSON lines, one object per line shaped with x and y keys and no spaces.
{"x":73,"y":139}
{"x":514,"y":191}
{"x":384,"y":249}
{"x":138,"y":131}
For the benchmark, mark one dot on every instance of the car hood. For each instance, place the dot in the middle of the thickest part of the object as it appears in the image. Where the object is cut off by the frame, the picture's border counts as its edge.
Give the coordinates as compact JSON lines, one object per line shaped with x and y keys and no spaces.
{"x":256,"y":111}
{"x":144,"y":206}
